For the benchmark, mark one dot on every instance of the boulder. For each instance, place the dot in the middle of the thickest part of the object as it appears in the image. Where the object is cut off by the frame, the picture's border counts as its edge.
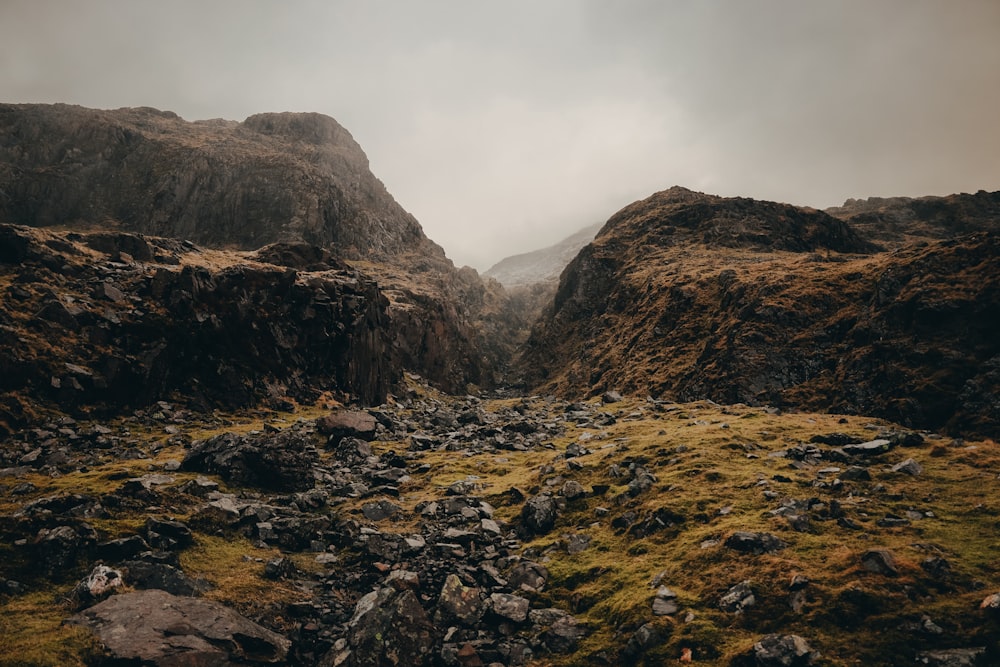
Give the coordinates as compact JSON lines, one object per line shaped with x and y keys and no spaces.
{"x":783,"y":651}
{"x":538,"y":515}
{"x":281,"y":461}
{"x":755,"y":543}
{"x":347,"y":423}
{"x":156,"y":628}
{"x":389,"y":628}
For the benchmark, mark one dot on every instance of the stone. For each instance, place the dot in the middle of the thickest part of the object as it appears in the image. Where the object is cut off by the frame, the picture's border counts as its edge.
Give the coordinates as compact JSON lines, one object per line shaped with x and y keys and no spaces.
{"x":389,"y":628}
{"x":738,"y":598}
{"x":168,"y":534}
{"x":870,"y":448}
{"x":954,"y":657}
{"x":643,"y":639}
{"x":511,"y":607}
{"x":161,"y":576}
{"x":880,"y":561}
{"x":991,"y":602}
{"x":123,"y":548}
{"x":564,"y":635}
{"x":908,"y":467}
{"x":58,"y":549}
{"x":572,"y":490}
{"x":856,"y":474}
{"x":379,"y":510}
{"x":102,"y":582}
{"x":538,"y":515}
{"x":783,"y":651}
{"x":156,"y":628}
{"x":755,"y":543}
{"x":529,"y":576}
{"x":611,"y":397}
{"x":282,"y":461}
{"x":460,"y":603}
{"x":347,"y":423}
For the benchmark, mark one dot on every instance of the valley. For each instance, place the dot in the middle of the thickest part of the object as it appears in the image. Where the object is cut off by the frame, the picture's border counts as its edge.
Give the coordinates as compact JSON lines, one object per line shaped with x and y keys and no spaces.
{"x":250,"y":414}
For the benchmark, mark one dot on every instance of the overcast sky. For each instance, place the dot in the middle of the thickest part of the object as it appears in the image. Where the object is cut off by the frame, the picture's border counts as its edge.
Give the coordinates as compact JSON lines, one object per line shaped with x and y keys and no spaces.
{"x":506,"y":126}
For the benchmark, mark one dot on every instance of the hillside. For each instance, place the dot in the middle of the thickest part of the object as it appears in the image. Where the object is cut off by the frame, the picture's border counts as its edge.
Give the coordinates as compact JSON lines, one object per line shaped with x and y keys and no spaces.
{"x":688,"y":296}
{"x":277,"y":177}
{"x":514,"y":532}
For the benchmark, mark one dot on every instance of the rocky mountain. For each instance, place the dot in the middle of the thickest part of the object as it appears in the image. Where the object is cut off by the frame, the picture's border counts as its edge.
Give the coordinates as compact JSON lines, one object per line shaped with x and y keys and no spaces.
{"x":541,"y":266}
{"x":895,"y":220}
{"x":689,"y":296}
{"x":273,"y":178}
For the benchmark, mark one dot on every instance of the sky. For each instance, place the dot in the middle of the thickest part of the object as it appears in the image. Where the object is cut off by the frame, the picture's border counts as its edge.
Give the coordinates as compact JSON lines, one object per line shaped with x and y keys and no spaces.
{"x":507,"y":126}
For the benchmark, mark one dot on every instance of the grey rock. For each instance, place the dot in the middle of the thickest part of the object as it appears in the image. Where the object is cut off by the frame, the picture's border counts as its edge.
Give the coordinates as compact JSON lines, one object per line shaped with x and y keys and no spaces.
{"x":527,"y":575}
{"x":389,"y":628}
{"x":955,"y":657}
{"x":870,"y":448}
{"x":379,"y":510}
{"x":145,"y":575}
{"x":347,"y":423}
{"x":879,"y":561}
{"x":162,"y":630}
{"x":738,"y":598}
{"x":538,"y":515}
{"x":282,"y":461}
{"x":460,"y":603}
{"x":783,"y":651}
{"x":102,"y":582}
{"x":755,"y":543}
{"x":908,"y":467}
{"x":511,"y":607}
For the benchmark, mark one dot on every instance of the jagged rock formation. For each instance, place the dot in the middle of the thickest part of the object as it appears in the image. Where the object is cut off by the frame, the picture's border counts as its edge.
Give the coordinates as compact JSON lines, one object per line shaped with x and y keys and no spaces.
{"x":277,"y":177}
{"x":691,"y":296}
{"x":895,"y":220}
{"x":117,"y":321}
{"x":541,"y":266}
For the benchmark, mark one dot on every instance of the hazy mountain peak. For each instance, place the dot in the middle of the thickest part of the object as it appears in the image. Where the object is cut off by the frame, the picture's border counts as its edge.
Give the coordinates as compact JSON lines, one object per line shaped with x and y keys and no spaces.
{"x":541,"y":265}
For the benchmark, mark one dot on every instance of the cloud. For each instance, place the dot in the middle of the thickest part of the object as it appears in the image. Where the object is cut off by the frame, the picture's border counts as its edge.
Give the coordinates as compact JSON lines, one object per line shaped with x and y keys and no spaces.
{"x":506,"y":126}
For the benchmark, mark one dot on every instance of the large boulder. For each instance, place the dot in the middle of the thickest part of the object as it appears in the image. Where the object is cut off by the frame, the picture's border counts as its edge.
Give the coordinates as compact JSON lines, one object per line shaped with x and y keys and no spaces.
{"x":280,"y":461}
{"x":157,"y":629}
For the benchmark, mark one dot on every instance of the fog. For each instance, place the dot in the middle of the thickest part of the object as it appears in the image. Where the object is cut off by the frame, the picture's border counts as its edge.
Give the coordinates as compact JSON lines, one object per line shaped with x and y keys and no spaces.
{"x":504,"y":127}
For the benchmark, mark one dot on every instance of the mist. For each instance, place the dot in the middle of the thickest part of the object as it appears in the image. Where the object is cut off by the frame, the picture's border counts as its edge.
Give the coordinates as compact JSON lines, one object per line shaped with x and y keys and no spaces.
{"x":506,"y":127}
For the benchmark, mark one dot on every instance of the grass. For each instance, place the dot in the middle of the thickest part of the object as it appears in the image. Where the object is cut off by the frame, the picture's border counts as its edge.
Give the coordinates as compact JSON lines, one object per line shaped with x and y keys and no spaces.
{"x":713,"y":468}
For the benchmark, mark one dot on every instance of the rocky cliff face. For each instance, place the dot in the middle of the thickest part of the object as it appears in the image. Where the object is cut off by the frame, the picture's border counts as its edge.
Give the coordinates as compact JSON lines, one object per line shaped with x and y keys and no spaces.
{"x":895,"y":220}
{"x":273,"y":177}
{"x":287,"y":177}
{"x":691,"y":296}
{"x":112,"y":321}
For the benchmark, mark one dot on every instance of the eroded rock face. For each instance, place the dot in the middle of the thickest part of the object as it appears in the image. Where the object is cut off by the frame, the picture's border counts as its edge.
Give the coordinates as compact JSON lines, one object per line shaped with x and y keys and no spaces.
{"x":752,"y":302}
{"x":156,"y":628}
{"x":88,"y":328}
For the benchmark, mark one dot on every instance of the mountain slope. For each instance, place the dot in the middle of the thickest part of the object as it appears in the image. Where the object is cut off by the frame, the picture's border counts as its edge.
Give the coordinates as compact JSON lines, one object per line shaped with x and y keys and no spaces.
{"x":689,"y":296}
{"x":543,"y":265}
{"x":277,"y":177}
{"x":896,"y":220}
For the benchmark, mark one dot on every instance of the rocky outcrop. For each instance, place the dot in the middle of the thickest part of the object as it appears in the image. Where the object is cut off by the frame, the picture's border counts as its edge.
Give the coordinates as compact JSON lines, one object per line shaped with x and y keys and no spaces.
{"x":296,"y":182}
{"x":273,"y":177}
{"x":895,"y":220}
{"x":87,"y":324}
{"x":762,"y":303}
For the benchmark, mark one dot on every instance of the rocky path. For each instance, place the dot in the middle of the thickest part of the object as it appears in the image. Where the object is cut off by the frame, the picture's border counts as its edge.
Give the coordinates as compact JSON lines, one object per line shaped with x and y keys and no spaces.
{"x":440,"y":530}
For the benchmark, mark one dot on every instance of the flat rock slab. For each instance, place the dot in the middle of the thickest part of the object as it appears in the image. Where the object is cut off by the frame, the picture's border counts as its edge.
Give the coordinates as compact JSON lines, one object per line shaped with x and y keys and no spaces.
{"x":156,"y":628}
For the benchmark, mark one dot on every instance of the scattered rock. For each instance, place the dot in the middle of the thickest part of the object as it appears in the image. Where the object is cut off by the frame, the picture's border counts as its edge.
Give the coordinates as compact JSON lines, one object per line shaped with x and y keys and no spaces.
{"x":96,"y":586}
{"x":738,"y":598}
{"x":280,"y":461}
{"x":908,"y":467}
{"x":347,"y":423}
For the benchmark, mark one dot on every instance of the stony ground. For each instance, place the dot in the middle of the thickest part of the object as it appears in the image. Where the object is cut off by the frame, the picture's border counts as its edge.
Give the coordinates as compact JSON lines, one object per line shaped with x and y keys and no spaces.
{"x":507,"y":531}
